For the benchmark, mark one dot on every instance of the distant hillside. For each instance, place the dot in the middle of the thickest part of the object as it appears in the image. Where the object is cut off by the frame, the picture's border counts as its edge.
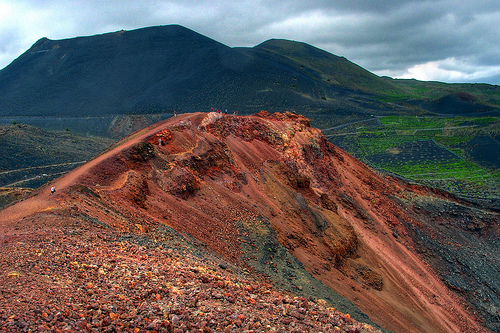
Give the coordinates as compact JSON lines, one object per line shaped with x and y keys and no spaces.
{"x":160,"y":69}
{"x":31,"y":156}
{"x":165,"y":68}
{"x":324,"y":67}
{"x":139,"y":71}
{"x":448,"y":98}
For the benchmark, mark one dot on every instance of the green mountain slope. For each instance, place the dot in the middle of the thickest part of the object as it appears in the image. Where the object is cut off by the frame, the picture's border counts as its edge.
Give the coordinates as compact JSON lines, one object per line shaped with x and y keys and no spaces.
{"x":432,"y":90}
{"x":458,"y":154}
{"x":327,"y":68}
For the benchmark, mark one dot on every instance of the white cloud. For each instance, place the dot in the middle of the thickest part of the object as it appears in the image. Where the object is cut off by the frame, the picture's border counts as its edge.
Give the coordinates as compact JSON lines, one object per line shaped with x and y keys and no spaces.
{"x":450,"y":70}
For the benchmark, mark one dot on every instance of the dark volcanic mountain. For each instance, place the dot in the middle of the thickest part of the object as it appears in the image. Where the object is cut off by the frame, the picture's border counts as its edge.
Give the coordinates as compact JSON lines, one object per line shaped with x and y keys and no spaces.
{"x":160,"y":69}
{"x":128,"y":240}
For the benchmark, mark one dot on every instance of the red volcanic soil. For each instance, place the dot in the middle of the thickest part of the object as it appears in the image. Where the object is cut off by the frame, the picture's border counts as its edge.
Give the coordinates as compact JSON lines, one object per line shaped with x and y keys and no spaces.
{"x":267,"y":193}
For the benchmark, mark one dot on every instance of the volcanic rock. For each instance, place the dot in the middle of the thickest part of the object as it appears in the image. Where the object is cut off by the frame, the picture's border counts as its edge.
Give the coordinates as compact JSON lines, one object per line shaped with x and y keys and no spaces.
{"x":216,"y":222}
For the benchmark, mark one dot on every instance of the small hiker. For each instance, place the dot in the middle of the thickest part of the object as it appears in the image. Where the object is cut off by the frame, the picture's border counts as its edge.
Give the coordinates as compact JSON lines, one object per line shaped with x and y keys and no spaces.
{"x":52,"y":190}
{"x":159,"y":142}
{"x":175,"y":113}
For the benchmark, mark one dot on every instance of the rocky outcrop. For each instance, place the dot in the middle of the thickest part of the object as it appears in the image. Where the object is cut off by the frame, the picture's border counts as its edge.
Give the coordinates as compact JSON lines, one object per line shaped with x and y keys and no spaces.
{"x":270,"y":194}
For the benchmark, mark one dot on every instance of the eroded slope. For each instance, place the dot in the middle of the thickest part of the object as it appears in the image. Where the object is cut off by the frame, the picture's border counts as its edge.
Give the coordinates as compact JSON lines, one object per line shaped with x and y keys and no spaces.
{"x":270,"y":193}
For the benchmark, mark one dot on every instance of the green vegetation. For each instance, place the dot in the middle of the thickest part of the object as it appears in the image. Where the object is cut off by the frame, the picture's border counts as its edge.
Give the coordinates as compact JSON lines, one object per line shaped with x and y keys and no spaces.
{"x":458,"y":154}
{"x":328,"y":68}
{"x":442,"y":170}
{"x":485,"y":93}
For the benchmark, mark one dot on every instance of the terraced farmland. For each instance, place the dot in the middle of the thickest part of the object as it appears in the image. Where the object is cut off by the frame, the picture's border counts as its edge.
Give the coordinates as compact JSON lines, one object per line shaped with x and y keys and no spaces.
{"x":460,"y":155}
{"x":416,"y":152}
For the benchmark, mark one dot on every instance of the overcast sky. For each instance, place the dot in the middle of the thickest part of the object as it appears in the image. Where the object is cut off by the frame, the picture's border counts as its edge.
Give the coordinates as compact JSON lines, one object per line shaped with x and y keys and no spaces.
{"x":444,"y":40}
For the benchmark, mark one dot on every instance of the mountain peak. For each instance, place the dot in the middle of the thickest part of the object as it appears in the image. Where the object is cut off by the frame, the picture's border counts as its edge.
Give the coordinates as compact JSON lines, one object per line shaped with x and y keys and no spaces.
{"x":293,"y":46}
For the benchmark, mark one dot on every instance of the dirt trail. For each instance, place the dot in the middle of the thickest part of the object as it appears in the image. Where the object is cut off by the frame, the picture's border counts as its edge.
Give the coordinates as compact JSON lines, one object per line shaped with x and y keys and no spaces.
{"x":42,"y":200}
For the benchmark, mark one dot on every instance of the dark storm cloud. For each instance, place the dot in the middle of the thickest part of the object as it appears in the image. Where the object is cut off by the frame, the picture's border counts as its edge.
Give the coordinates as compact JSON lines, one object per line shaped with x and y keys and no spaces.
{"x":381,"y":36}
{"x":445,"y":40}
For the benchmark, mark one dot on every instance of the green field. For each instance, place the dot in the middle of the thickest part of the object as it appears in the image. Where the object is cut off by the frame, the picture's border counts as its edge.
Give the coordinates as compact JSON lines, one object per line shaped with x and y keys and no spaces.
{"x":457,"y":154}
